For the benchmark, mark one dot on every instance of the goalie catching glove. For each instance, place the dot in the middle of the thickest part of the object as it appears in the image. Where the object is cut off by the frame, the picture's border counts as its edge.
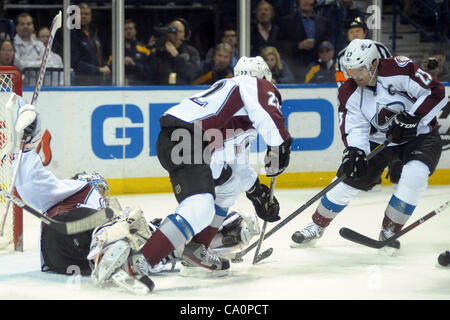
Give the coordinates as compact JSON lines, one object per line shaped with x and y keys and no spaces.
{"x":27,"y":125}
{"x":259,"y":195}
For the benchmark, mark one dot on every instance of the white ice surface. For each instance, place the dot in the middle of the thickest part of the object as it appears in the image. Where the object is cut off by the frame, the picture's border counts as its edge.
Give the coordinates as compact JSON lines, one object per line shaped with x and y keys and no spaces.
{"x":333,"y":269}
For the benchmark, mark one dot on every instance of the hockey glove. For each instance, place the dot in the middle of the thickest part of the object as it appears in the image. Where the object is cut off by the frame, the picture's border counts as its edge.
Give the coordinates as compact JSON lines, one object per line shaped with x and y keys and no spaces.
{"x":259,"y":195}
{"x":28,"y":127}
{"x":403,"y":128}
{"x":354,"y":163}
{"x":277,"y":158}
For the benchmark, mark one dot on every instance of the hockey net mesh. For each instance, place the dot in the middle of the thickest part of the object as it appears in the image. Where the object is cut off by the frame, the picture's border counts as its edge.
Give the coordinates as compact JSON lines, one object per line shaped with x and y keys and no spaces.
{"x":10,"y":81}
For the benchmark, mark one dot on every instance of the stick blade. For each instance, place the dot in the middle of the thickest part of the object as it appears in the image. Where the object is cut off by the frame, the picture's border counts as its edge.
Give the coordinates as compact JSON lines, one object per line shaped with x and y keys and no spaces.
{"x":265,"y":254}
{"x":97,"y":219}
{"x":360,"y":239}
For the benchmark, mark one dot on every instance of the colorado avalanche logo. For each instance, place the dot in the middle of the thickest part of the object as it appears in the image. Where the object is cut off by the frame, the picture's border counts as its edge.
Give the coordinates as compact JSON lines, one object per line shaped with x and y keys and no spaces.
{"x":402,"y":61}
{"x":385,"y":115}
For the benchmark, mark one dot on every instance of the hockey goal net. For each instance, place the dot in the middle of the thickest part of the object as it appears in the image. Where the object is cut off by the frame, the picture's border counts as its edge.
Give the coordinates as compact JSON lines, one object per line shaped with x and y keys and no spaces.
{"x":10,"y":81}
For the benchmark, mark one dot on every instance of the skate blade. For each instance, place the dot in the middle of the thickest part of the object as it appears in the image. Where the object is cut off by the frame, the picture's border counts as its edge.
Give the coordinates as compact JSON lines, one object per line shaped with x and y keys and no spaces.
{"x":309,"y":244}
{"x":198,"y":272}
{"x":388,"y":251}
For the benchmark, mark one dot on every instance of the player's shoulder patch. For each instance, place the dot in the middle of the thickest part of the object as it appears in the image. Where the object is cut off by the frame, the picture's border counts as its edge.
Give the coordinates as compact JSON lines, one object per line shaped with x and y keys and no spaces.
{"x":402,"y":61}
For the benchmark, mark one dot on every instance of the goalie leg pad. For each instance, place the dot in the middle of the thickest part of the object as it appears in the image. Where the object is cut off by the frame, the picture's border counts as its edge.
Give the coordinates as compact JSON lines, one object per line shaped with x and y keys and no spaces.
{"x":111,"y":258}
{"x":133,"y":227}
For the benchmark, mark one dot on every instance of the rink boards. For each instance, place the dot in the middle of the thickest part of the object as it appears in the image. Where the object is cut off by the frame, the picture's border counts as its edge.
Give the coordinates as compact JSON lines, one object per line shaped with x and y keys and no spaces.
{"x":113,"y":131}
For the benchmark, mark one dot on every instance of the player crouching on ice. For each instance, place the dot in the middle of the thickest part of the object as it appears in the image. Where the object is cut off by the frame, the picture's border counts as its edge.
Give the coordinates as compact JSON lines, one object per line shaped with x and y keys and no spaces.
{"x":247,"y":103}
{"x":72,"y":199}
{"x":384,"y":97}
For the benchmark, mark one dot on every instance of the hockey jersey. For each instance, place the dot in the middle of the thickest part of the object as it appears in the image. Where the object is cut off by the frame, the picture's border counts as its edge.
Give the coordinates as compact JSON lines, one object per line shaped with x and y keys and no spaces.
{"x":42,"y":189}
{"x":232,"y":106}
{"x":365,"y":114}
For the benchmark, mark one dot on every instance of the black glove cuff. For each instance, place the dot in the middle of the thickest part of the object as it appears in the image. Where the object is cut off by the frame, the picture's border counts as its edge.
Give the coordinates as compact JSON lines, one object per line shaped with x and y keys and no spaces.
{"x":255,"y":191}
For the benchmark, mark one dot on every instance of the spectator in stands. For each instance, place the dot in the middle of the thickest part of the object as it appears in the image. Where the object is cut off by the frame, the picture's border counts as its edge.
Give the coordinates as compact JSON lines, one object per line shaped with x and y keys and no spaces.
{"x":281,"y":73}
{"x":217,"y":68}
{"x":300,"y":34}
{"x":435,"y":65}
{"x":228,"y":36}
{"x":341,"y":12}
{"x":56,"y":77}
{"x":356,"y":29}
{"x":28,"y":50}
{"x":138,"y":58}
{"x":6,"y":53}
{"x":263,"y":32}
{"x":178,"y":62}
{"x":87,"y":55}
{"x":323,"y":70}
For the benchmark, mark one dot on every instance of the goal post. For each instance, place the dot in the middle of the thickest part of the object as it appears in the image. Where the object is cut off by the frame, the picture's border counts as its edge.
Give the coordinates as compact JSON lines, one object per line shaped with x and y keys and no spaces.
{"x":10,"y":81}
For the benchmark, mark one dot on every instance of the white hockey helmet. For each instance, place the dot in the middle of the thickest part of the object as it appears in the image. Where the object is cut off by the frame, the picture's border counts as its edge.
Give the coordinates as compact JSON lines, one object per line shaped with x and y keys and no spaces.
{"x":360,"y":53}
{"x":253,"y":66}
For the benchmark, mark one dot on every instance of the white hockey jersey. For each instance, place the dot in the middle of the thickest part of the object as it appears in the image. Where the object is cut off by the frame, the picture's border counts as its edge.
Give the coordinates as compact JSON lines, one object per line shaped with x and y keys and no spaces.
{"x":365,"y":114}
{"x":42,"y":189}
{"x":232,"y":106}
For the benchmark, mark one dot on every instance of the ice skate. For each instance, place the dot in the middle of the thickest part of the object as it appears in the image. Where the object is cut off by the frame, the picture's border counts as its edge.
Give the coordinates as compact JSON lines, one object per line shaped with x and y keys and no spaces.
{"x":307,"y":236}
{"x":392,"y":248}
{"x":197,"y":260}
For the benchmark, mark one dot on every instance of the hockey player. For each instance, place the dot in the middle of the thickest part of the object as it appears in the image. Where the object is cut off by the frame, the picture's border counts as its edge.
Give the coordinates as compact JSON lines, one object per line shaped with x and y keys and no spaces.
{"x":71,"y":199}
{"x":248,"y":100}
{"x":384,"y":97}
{"x":44,"y":191}
{"x":357,"y":29}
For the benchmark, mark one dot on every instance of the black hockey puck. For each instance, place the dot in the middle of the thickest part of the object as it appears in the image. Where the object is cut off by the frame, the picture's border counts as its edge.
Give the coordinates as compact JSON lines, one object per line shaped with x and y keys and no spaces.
{"x":444,"y":259}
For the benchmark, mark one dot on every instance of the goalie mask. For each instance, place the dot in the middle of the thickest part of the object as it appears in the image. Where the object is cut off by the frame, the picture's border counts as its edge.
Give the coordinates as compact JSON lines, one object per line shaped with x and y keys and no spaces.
{"x":253,"y":66}
{"x":97,"y":181}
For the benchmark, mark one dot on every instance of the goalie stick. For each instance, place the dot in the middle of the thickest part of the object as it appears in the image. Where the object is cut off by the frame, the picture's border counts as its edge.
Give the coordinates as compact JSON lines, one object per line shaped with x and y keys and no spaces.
{"x":56,"y":24}
{"x":72,"y":227}
{"x":354,"y":236}
{"x":239,"y":255}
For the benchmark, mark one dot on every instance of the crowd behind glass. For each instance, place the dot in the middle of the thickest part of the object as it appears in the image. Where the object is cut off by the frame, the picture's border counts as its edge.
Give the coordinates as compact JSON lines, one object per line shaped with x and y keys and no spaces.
{"x":300,"y":46}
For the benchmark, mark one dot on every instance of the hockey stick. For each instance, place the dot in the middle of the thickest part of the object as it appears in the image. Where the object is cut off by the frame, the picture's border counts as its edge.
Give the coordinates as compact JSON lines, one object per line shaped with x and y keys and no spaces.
{"x":96,"y":219}
{"x":319,"y":195}
{"x":378,"y":244}
{"x":56,"y":24}
{"x":269,"y":251}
